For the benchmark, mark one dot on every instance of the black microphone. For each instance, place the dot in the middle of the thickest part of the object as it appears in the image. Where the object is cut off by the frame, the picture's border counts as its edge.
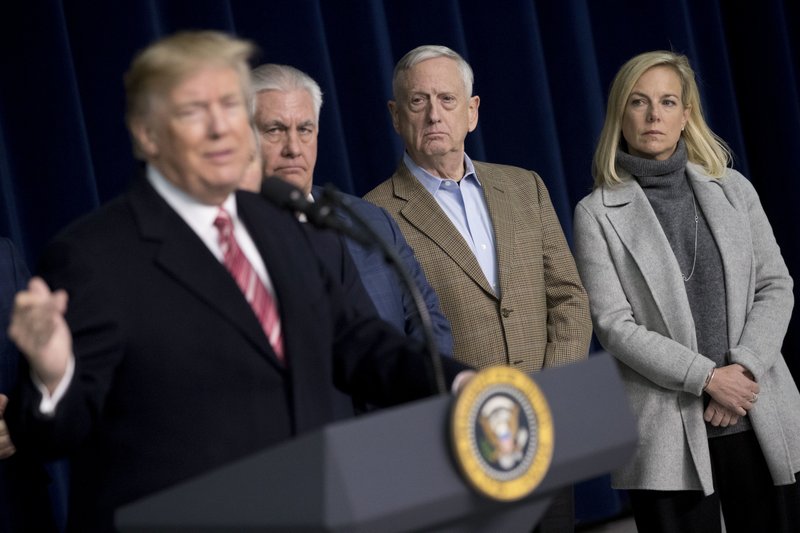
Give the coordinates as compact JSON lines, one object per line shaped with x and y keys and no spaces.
{"x":284,"y":194}
{"x":319,"y":213}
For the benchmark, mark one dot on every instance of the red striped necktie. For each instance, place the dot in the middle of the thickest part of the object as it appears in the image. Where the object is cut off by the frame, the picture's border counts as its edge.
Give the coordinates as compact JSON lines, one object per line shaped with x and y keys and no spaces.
{"x":245,"y":275}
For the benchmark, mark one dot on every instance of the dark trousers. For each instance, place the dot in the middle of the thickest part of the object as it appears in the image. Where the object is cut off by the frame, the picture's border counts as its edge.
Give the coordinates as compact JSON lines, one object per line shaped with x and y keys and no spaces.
{"x":743,"y":488}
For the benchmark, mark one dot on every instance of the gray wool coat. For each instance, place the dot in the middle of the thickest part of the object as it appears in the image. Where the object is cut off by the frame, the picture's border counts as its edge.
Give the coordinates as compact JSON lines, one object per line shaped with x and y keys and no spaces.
{"x":641,"y":315}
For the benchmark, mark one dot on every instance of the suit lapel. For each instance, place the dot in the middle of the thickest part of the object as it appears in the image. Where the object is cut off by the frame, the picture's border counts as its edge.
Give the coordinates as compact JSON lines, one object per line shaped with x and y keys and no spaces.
{"x":423,"y":212}
{"x":731,"y":230}
{"x":501,"y":213}
{"x":639,"y":230}
{"x":186,"y":258}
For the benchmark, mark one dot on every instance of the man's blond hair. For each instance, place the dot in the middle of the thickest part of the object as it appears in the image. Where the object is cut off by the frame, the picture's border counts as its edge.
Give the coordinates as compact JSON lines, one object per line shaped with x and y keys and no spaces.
{"x":165,"y":63}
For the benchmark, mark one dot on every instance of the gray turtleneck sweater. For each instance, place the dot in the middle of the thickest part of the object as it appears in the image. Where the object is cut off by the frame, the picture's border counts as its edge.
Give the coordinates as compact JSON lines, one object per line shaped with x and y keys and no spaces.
{"x":671,"y":196}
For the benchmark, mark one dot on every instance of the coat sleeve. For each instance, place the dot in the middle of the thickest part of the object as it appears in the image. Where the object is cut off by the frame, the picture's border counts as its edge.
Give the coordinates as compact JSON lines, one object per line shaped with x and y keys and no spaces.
{"x":372,"y":361}
{"x":569,"y":326}
{"x":97,"y":345}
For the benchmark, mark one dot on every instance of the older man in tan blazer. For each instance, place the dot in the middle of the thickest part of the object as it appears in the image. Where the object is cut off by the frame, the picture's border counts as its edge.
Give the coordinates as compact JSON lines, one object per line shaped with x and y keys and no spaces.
{"x":486,"y":235}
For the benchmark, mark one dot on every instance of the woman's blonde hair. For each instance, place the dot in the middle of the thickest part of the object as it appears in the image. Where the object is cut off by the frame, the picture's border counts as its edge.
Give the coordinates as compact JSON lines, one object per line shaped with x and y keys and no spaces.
{"x":703,"y":146}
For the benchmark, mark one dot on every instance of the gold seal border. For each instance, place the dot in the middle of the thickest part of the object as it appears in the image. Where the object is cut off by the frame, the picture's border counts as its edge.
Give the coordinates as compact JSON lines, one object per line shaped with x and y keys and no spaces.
{"x":462,"y":428}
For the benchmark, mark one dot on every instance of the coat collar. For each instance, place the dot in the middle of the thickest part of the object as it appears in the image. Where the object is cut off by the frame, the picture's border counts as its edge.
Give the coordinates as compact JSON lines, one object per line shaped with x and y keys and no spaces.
{"x":730,"y":225}
{"x":501,"y":213}
{"x":640,"y":231}
{"x":423,"y":212}
{"x":185,"y":257}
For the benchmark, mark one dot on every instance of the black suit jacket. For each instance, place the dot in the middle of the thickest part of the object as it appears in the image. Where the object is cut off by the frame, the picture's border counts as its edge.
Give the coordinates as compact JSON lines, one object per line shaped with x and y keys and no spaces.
{"x":174,"y":375}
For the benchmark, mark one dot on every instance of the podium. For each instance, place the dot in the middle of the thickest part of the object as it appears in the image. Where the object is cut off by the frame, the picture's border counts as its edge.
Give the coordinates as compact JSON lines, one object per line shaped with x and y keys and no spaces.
{"x":393,"y":471}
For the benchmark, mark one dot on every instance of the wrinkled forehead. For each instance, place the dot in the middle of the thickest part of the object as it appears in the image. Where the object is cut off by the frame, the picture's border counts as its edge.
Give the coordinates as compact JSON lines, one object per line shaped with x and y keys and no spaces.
{"x":439,"y":74}
{"x":288,"y":107}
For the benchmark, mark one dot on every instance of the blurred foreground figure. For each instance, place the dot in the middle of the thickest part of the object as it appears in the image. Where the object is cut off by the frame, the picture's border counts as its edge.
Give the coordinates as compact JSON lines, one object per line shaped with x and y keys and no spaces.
{"x":184,"y":343}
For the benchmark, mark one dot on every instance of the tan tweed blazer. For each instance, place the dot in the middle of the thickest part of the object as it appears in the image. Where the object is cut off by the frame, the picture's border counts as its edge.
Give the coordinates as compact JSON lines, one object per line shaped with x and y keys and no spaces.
{"x":542,"y":316}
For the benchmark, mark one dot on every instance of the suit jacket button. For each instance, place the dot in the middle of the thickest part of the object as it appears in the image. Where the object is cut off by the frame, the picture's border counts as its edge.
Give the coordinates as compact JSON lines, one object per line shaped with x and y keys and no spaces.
{"x":506,"y":312}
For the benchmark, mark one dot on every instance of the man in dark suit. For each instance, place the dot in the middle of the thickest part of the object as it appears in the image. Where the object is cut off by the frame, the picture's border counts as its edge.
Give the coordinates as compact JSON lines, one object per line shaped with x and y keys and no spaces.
{"x":287,"y":108}
{"x":487,"y":235}
{"x":200,"y":326}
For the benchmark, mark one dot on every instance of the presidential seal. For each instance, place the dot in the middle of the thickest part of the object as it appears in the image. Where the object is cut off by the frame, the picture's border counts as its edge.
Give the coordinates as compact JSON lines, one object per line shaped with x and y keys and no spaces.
{"x":502,"y":433}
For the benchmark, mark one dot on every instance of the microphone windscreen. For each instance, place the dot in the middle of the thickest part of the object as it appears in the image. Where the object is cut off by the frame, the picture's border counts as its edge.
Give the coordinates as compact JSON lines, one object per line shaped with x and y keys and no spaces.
{"x":283,"y":194}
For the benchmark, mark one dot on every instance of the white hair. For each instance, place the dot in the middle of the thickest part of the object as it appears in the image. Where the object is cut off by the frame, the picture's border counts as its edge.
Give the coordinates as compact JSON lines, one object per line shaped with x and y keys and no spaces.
{"x":274,"y":77}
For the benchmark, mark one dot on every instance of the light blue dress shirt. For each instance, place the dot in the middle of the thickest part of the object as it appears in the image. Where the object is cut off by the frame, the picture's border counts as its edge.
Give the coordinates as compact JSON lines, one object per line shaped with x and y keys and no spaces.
{"x":465,"y":205}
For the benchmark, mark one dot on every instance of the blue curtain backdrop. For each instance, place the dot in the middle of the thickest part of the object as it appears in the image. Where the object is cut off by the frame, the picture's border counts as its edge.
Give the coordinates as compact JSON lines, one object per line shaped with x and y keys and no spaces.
{"x":542,"y":70}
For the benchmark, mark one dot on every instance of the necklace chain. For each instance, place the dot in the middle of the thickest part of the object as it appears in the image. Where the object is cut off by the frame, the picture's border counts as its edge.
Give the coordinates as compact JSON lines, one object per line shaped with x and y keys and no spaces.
{"x":694,"y":260}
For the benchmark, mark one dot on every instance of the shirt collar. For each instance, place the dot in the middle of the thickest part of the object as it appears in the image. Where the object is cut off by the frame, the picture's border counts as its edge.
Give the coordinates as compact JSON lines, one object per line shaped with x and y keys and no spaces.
{"x":431,"y":182}
{"x":194,"y":212}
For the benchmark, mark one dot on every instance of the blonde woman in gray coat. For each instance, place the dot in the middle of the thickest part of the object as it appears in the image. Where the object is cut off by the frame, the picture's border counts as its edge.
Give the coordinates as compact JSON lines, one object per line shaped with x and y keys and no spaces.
{"x":688,"y":290}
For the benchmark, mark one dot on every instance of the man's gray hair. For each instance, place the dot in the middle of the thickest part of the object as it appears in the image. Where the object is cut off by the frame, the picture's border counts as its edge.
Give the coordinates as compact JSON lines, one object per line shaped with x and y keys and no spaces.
{"x":274,"y":77}
{"x":432,"y":51}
